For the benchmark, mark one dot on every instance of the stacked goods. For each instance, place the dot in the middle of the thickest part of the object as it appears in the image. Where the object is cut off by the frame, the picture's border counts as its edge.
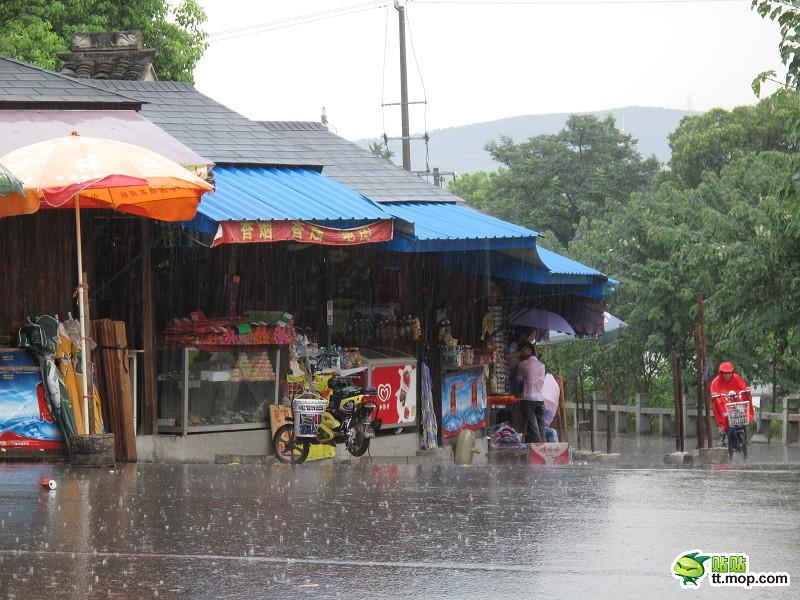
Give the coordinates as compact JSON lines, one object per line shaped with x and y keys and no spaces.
{"x":253,"y":366}
{"x":227,"y":332}
{"x":114,"y":381}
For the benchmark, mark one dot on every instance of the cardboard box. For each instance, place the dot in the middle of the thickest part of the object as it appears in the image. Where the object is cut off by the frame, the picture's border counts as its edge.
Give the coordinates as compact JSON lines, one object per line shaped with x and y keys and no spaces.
{"x":550,"y":454}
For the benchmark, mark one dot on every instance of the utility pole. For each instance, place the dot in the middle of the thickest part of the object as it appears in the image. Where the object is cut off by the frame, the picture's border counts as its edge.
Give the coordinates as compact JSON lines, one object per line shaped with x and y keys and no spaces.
{"x":406,"y":135}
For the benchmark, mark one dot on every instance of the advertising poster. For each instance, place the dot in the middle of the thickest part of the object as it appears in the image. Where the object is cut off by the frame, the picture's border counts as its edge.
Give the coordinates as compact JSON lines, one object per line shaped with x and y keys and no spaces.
{"x":25,"y":419}
{"x":463,"y":401}
{"x":396,"y":388}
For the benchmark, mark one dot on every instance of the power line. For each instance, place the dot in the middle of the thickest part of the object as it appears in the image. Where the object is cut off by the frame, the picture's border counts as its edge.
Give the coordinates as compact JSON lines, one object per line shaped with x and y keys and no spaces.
{"x":295,"y":21}
{"x":573,"y":2}
{"x":223,"y":32}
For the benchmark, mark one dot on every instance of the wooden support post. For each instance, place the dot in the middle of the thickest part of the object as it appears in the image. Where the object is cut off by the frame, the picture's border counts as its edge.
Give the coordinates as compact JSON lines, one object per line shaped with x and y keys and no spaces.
{"x":577,"y":420}
{"x":592,"y":419}
{"x":706,"y":391}
{"x":677,"y":393}
{"x":608,"y":413}
{"x":149,"y":391}
{"x":562,"y":409}
{"x":700,"y":388}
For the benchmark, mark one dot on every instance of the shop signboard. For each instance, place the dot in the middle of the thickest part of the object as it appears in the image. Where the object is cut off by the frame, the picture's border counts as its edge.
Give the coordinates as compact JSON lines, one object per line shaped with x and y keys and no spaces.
{"x":463,"y":401}
{"x":549,"y":454}
{"x":396,"y":387}
{"x":25,"y":419}
{"x":253,"y":232}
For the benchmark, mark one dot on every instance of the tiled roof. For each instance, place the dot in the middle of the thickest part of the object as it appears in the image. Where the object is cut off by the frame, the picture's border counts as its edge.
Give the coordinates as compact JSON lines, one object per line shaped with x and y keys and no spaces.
{"x":208,"y":127}
{"x":356,"y":167}
{"x":226,"y":137}
{"x":26,"y":84}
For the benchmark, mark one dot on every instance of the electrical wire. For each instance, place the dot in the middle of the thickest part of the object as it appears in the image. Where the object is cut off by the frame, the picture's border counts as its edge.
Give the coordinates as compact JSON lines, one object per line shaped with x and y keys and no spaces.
{"x":224,"y":32}
{"x":574,"y":2}
{"x":295,"y":21}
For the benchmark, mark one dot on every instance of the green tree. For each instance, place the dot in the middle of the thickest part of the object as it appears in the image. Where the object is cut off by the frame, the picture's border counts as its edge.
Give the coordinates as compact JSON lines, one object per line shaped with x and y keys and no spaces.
{"x":551,"y":182}
{"x":35,"y":31}
{"x":379,"y":149}
{"x":786,"y":13}
{"x":712,"y":140}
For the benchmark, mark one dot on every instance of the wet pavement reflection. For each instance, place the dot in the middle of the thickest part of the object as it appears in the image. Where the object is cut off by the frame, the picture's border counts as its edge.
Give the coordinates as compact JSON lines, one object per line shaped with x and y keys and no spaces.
{"x":387,"y":530}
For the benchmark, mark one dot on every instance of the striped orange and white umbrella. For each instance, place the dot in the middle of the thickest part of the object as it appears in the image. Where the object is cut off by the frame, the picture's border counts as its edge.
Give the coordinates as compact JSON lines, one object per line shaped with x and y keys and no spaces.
{"x":101,"y":173}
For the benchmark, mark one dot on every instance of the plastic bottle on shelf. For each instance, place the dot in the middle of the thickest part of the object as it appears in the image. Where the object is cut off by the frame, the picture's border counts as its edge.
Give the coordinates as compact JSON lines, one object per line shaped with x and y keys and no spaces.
{"x":416,"y":328}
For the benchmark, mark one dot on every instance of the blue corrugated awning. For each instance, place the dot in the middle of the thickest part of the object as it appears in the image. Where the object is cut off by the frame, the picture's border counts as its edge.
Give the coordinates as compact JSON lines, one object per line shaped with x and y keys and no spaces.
{"x":442,"y":226}
{"x":557,"y":263}
{"x":561,"y":265}
{"x":282,"y":194}
{"x":501,"y":266}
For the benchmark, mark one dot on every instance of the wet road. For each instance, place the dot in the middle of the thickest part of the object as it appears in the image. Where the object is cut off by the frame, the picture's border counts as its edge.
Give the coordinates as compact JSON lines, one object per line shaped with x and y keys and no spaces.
{"x":387,"y":531}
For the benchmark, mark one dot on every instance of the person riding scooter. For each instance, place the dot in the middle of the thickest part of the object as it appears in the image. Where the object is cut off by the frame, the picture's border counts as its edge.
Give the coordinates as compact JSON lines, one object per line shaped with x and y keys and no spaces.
{"x":727,"y":380}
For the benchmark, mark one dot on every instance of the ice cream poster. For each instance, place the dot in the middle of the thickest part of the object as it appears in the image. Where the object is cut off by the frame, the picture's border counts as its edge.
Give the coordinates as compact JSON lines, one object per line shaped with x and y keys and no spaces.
{"x":463,"y":401}
{"x":25,"y":419}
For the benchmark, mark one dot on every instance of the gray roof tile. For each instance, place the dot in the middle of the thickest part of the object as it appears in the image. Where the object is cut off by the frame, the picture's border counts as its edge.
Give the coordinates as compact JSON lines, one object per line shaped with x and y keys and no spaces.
{"x":223,"y":135}
{"x":20,"y":82}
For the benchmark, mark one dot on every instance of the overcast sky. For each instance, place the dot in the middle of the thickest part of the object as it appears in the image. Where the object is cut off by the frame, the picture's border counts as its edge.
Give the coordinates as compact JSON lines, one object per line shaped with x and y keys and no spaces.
{"x":480,"y":61}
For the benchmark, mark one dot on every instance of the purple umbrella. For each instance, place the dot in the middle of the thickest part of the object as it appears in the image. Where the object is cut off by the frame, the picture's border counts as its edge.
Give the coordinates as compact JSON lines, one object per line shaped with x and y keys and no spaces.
{"x":537,"y":318}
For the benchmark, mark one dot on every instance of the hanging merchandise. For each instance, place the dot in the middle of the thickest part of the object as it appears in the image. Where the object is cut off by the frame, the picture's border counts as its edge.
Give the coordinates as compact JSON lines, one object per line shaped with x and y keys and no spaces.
{"x":39,"y":336}
{"x":429,"y":428}
{"x":500,"y":341}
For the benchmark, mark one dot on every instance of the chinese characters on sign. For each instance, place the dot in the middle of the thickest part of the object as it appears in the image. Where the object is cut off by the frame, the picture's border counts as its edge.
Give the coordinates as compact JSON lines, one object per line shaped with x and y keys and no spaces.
{"x":242,"y":232}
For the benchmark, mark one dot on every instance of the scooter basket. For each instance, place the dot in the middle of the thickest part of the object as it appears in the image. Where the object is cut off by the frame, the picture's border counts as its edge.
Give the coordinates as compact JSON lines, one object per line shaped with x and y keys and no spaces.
{"x":307,"y":411}
{"x":738,"y":413}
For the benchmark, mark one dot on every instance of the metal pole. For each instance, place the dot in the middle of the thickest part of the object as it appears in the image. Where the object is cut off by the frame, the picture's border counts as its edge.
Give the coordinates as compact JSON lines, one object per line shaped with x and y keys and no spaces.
{"x":81,"y":309}
{"x":400,"y":6}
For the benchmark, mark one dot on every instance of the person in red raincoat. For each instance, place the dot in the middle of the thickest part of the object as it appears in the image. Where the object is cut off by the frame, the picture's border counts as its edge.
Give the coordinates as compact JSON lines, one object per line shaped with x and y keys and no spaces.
{"x":728,"y":380}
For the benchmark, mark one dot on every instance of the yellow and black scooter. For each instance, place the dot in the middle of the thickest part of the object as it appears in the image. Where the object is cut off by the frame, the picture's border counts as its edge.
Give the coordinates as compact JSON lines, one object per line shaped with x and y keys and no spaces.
{"x":347,"y":418}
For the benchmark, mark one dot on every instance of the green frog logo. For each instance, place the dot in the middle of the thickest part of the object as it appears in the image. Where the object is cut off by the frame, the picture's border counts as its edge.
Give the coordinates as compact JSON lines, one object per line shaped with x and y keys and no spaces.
{"x":689,"y":568}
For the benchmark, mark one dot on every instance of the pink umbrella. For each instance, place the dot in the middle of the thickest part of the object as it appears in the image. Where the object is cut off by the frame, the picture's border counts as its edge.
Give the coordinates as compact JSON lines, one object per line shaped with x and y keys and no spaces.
{"x":552,"y":397}
{"x":544,"y":320}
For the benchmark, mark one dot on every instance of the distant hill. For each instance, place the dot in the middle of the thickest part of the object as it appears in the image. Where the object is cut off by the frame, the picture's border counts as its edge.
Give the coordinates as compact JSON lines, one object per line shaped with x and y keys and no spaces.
{"x":460,"y":149}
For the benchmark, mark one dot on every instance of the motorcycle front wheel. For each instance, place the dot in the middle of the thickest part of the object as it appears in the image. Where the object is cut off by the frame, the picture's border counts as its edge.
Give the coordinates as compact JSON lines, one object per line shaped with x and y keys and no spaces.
{"x":287,"y":448}
{"x":358,"y":443}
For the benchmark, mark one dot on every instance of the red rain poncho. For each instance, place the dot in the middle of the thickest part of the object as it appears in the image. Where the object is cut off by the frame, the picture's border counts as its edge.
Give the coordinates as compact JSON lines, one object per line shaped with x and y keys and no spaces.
{"x":720,"y":386}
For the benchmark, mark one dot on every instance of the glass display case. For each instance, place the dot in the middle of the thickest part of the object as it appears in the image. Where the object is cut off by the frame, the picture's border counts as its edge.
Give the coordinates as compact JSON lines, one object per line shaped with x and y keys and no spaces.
{"x":202,"y":391}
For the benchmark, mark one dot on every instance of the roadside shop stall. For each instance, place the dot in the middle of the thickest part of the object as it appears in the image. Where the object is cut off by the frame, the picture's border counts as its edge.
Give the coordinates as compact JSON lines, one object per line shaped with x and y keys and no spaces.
{"x":221,"y":374}
{"x":77,"y":173}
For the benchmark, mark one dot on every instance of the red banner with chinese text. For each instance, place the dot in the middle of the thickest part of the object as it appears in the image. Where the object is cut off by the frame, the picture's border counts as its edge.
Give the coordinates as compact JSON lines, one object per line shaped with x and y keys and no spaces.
{"x":250,"y":232}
